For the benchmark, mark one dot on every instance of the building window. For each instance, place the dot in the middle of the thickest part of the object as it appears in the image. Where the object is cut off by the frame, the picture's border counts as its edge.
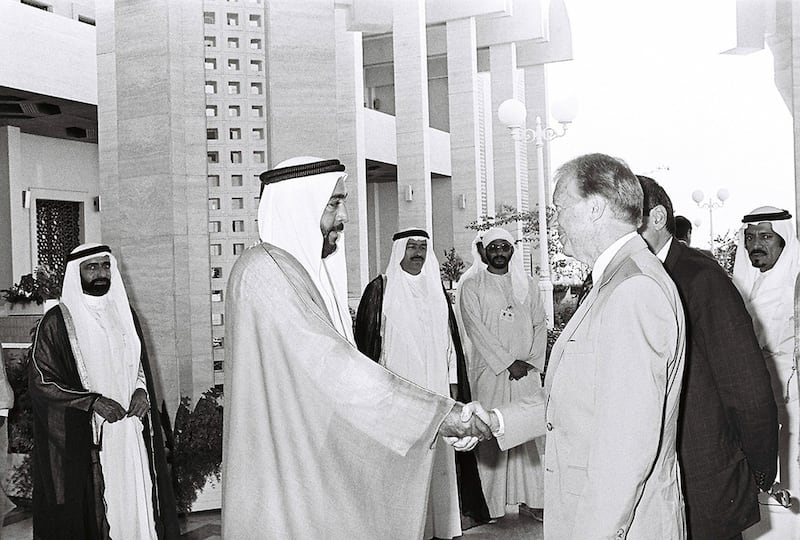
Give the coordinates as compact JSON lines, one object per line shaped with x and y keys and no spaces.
{"x":217,"y":319}
{"x":255,"y":44}
{"x":213,"y":157}
{"x":255,"y":21}
{"x":257,"y":111}
{"x":233,"y":87}
{"x":213,"y":180}
{"x":258,"y":156}
{"x":215,"y":250}
{"x":87,"y":20}
{"x":211,"y":111}
{"x":237,"y":203}
{"x":209,"y":17}
{"x":214,"y":226}
{"x":238,"y":248}
{"x":235,"y":134}
{"x":217,"y":342}
{"x":234,"y":111}
{"x":237,"y":225}
{"x":210,"y":41}
{"x":212,"y":134}
{"x":256,"y":65}
{"x":233,"y":19}
{"x":256,"y":88}
{"x":258,"y":134}
{"x":216,"y":272}
{"x":236,"y":156}
{"x":216,"y":295}
{"x":213,"y":203}
{"x":233,"y":64}
{"x":236,"y":180}
{"x":211,"y":63}
{"x":211,"y":87}
{"x":37,"y":5}
{"x":233,"y":43}
{"x":57,"y":232}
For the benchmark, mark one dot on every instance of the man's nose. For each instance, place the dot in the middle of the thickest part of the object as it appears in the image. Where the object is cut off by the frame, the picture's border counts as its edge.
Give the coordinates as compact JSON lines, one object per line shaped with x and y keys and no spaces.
{"x":341,"y":215}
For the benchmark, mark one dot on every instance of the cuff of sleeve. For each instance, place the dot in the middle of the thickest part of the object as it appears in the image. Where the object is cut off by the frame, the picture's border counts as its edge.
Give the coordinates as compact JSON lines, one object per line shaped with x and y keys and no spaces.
{"x":3,"y":412}
{"x":501,"y":425}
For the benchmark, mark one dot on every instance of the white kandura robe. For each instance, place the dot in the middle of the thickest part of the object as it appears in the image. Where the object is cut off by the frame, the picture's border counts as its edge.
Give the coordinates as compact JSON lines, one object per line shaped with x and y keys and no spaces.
{"x":113,"y":369}
{"x":319,"y":441}
{"x":419,"y":348}
{"x":513,"y":476}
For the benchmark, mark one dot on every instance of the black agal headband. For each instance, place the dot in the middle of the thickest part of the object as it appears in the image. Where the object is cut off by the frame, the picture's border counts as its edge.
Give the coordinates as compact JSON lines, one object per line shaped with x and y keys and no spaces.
{"x":409,"y":233}
{"x":297,"y":171}
{"x":88,"y":251}
{"x":767,"y":216}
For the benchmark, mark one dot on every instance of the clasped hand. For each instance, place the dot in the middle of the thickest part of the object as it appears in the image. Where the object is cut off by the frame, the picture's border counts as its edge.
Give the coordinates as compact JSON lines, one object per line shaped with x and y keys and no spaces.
{"x":112,"y":411}
{"x":465,"y":426}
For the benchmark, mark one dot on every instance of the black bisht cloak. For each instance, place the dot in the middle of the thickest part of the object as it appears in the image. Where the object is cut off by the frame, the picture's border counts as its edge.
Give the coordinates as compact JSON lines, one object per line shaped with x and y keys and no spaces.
{"x":367,"y":334}
{"x":67,"y":477}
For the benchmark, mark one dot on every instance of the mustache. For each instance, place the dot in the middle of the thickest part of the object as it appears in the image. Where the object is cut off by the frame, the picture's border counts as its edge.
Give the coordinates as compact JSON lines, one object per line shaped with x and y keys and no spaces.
{"x":100,"y":281}
{"x":757,"y":252}
{"x":338,"y":228}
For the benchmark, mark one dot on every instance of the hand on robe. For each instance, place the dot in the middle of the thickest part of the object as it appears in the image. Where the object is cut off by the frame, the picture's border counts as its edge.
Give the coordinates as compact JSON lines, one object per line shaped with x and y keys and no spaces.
{"x":472,"y":411}
{"x":518,"y":369}
{"x":139,"y":403}
{"x":109,"y":409}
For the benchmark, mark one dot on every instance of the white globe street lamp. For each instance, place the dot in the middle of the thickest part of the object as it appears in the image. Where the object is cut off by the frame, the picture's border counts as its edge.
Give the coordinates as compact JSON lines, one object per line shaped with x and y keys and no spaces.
{"x":512,"y":114}
{"x":722,"y":196}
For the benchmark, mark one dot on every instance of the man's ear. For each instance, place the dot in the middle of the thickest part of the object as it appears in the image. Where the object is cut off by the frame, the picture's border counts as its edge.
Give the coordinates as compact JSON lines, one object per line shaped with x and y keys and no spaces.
{"x":597,"y":207}
{"x":659,"y":215}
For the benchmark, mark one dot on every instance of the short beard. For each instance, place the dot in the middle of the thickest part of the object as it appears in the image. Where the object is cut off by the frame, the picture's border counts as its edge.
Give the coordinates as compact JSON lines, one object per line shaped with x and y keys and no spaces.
{"x":97,"y":287}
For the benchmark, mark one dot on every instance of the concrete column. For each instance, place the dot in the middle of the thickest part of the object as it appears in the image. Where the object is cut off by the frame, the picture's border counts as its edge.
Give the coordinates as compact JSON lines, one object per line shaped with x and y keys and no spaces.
{"x":153,"y":180}
{"x":301,"y":79}
{"x":14,"y":219}
{"x":352,"y":152}
{"x":411,"y":113}
{"x":508,"y":153}
{"x":462,"y":74}
{"x":537,"y":103}
{"x":794,"y":7}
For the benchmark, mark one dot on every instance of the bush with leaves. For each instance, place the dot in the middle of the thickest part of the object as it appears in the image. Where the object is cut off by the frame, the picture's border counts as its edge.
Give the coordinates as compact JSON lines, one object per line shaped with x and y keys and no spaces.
{"x":197,"y":451}
{"x":43,"y":284}
{"x":451,"y":267}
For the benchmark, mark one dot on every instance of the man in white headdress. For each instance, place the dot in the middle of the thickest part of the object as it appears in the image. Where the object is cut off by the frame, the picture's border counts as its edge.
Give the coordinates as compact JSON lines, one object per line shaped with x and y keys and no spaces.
{"x":478,"y":264}
{"x":318,"y":441}
{"x":98,"y":462}
{"x":504,"y":318}
{"x":403,"y":324}
{"x":765,"y":271}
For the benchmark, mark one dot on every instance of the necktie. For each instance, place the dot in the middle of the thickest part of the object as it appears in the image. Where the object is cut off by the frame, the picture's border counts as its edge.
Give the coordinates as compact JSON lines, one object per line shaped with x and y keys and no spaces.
{"x":587,"y":286}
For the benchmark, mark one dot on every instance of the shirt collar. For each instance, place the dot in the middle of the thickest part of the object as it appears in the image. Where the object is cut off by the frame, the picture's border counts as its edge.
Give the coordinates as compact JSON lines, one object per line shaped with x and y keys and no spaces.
{"x":602,"y":261}
{"x":662,"y":253}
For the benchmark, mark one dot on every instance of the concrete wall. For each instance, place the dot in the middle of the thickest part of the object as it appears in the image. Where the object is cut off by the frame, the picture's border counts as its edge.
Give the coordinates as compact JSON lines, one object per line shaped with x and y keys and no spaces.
{"x":47,"y":54}
{"x":54,"y":169}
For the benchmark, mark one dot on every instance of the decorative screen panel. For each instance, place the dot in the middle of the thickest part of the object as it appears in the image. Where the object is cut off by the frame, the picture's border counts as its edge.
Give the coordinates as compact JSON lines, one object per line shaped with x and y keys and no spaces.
{"x":57,"y":232}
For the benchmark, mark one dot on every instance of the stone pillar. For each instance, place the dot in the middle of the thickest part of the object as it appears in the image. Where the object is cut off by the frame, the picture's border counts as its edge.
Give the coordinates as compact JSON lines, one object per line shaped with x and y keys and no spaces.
{"x":462,"y":75}
{"x":537,"y":104}
{"x":301,"y":79}
{"x":507,"y":152}
{"x":352,"y":152}
{"x":153,"y":180}
{"x":795,"y":40}
{"x":12,"y":215}
{"x":411,"y":115}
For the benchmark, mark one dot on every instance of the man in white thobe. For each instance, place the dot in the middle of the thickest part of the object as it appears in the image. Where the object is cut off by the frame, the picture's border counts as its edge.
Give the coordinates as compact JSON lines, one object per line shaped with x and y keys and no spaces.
{"x":765,"y":271}
{"x":504,"y":318}
{"x":403,"y":323}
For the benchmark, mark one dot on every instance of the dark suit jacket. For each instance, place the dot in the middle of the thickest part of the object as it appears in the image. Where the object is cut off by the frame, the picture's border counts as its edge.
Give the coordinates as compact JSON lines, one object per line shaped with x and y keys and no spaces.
{"x":728,"y":430}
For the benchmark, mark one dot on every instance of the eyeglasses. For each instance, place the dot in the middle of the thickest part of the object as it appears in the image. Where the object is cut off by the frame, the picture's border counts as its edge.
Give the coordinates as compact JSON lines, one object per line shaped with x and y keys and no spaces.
{"x":498,"y":248}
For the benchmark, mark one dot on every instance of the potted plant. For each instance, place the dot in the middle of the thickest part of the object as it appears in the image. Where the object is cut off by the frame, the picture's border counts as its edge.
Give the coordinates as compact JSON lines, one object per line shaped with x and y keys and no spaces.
{"x":33,"y":289}
{"x":451,"y":267}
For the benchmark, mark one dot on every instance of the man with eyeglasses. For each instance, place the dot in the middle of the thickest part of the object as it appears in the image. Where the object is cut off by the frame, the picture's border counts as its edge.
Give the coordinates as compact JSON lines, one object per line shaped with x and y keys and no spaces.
{"x":504,"y":318}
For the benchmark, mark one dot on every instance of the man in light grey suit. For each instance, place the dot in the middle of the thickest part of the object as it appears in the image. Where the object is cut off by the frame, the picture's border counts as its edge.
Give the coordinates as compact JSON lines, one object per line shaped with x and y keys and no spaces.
{"x":609,"y":407}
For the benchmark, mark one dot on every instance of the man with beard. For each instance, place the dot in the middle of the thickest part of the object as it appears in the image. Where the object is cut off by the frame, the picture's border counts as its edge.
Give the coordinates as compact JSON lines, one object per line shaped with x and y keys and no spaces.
{"x":403,"y":324}
{"x":766,"y":271}
{"x":728,"y":428}
{"x":504,"y":318}
{"x":99,"y":469}
{"x":318,"y":441}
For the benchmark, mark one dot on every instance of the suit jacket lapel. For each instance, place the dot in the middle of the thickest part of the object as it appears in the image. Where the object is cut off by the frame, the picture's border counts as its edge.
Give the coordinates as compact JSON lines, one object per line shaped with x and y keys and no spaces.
{"x":634,"y":244}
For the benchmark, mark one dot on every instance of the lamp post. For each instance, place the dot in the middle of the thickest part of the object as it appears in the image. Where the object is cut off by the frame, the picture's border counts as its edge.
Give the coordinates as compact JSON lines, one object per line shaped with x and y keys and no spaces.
{"x":512,"y":114}
{"x":722,"y":196}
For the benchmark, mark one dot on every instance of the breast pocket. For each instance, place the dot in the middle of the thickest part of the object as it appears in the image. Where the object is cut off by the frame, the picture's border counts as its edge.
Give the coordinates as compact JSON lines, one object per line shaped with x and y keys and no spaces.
{"x":573,"y":480}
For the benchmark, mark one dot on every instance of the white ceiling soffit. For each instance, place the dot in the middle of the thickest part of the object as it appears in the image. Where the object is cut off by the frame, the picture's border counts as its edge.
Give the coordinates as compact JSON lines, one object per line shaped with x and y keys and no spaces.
{"x":746,"y":23}
{"x":557,"y":49}
{"x":528,"y":21}
{"x":376,"y":16}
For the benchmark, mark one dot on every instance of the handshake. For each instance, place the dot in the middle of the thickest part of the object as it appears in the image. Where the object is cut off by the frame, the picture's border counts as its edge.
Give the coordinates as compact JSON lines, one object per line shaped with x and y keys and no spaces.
{"x":466,"y":425}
